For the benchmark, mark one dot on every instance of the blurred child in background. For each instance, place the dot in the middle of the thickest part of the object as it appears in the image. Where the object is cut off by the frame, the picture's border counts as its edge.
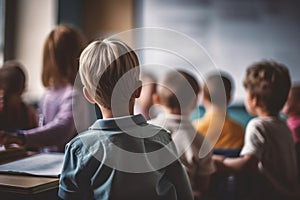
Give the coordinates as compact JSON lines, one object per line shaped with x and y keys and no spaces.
{"x":14,"y":114}
{"x":292,"y":110}
{"x":144,"y":103}
{"x":177,"y":93}
{"x":268,"y":155}
{"x":61,"y":51}
{"x":230,"y":134}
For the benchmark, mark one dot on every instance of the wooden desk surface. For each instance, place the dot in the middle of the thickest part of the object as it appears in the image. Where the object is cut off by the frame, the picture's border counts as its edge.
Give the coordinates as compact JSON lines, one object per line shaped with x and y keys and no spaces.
{"x":25,"y":184}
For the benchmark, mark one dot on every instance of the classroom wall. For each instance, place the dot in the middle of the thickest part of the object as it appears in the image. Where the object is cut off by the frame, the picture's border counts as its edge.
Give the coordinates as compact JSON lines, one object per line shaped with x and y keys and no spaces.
{"x":33,"y":21}
{"x":234,"y":33}
{"x":104,"y":18}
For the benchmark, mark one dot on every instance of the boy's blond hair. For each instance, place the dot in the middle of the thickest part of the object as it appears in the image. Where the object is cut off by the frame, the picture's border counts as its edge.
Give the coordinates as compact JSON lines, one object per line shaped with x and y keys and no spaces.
{"x":105,"y":65}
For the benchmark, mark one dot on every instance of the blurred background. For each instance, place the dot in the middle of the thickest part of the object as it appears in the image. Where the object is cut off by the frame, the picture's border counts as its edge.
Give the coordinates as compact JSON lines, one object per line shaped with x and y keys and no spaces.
{"x":235,"y":33}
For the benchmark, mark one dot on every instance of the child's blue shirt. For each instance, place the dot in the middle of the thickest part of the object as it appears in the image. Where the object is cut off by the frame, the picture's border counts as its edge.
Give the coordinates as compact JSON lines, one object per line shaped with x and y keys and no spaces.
{"x":123,"y":158}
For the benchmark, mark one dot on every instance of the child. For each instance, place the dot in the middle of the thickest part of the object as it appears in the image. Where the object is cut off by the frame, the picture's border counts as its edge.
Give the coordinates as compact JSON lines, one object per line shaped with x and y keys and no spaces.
{"x":232,"y":133}
{"x":292,"y":110}
{"x":62,"y":48}
{"x":120,"y":156}
{"x":144,"y":103}
{"x":177,"y":94}
{"x":15,"y":114}
{"x":268,"y":147}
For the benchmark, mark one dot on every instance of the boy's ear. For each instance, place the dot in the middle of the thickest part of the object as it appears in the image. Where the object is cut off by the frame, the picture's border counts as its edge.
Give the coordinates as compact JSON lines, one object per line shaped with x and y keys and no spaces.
{"x":88,"y":96}
{"x":156,"y":99}
{"x":138,"y":91}
{"x":228,"y":99}
{"x":254,"y":101}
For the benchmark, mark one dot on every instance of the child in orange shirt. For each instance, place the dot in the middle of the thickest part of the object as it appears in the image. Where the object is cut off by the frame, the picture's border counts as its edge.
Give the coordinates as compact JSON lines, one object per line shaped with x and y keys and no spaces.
{"x":223,"y":132}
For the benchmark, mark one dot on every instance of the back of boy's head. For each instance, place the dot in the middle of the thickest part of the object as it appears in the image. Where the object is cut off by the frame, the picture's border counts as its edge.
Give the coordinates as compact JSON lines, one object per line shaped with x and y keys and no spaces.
{"x":109,"y":67}
{"x":217,"y":84}
{"x":12,"y":78}
{"x":62,"y":49}
{"x":270,"y":83}
{"x":178,"y":91}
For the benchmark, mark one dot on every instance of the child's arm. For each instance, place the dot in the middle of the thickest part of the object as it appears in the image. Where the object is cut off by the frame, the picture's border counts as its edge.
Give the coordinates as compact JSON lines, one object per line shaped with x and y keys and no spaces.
{"x":204,"y":183}
{"x":252,"y":150}
{"x":32,"y":117}
{"x":234,"y":165}
{"x":245,"y":162}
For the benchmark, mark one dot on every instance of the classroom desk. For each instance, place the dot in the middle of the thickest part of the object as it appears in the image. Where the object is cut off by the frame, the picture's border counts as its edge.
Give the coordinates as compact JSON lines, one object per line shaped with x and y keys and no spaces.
{"x":26,"y":187}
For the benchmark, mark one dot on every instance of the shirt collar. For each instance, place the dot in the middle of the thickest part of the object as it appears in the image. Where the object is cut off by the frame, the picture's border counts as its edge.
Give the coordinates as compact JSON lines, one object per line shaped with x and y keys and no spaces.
{"x":177,"y":117}
{"x":169,"y":117}
{"x":119,"y":122}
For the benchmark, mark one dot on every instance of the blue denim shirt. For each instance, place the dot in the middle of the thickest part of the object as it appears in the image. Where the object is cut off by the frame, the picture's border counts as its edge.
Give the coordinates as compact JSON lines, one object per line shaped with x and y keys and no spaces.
{"x":123,"y":158}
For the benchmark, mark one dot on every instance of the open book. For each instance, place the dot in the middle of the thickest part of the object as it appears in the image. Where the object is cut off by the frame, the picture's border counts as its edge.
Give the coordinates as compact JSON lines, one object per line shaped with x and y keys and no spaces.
{"x":43,"y":164}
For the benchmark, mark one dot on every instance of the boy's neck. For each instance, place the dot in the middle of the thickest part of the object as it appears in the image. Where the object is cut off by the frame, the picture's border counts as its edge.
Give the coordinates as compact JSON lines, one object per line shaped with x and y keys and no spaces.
{"x":215,"y":109}
{"x":208,"y":105}
{"x":263,"y":114}
{"x":174,"y":111}
{"x":118,"y":112}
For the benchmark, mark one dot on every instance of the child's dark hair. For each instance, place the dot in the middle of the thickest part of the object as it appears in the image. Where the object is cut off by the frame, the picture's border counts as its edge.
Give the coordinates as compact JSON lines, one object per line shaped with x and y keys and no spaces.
{"x":270,"y":83}
{"x":12,"y":77}
{"x":175,"y":90}
{"x":214,"y":84}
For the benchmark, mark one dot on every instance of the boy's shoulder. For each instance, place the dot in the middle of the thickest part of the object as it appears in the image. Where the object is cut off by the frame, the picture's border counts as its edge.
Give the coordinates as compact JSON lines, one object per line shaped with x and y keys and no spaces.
{"x":161,"y":135}
{"x":104,"y":144}
{"x":154,"y":133}
{"x":85,"y":140}
{"x":255,"y":123}
{"x":95,"y":137}
{"x":267,"y":126}
{"x":261,"y":121}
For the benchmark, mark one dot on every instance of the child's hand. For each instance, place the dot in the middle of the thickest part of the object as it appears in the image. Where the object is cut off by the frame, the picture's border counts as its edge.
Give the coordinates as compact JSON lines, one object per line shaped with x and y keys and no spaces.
{"x":218,"y":160}
{"x":7,"y":138}
{"x":1,"y":99}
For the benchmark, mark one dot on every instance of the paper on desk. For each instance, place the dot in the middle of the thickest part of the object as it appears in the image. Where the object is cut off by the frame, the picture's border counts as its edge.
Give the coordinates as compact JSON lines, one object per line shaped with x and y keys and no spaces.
{"x":43,"y":164}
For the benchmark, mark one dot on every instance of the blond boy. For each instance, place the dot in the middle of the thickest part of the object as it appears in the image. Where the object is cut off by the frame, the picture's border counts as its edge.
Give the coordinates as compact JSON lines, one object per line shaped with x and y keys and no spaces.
{"x":119,"y":156}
